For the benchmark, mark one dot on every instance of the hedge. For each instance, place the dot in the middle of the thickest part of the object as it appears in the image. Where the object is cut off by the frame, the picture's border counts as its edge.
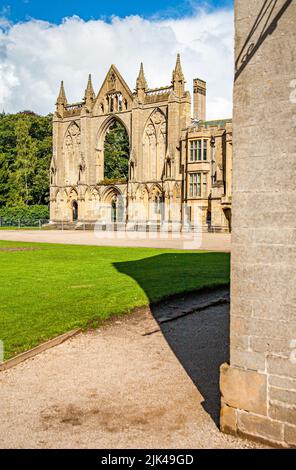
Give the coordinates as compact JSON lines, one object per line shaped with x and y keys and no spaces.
{"x":26,"y":215}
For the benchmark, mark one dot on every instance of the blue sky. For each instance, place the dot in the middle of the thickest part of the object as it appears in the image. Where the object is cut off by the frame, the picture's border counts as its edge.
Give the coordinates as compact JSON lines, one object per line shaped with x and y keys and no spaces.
{"x":76,"y":38}
{"x":55,"y":10}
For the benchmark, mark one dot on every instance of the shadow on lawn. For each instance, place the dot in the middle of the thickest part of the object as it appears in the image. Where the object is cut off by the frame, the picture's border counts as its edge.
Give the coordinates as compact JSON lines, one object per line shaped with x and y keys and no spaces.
{"x":200,"y":341}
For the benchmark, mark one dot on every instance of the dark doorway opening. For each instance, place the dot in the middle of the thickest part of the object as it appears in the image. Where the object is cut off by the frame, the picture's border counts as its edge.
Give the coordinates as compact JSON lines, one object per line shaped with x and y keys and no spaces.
{"x":74,"y":211}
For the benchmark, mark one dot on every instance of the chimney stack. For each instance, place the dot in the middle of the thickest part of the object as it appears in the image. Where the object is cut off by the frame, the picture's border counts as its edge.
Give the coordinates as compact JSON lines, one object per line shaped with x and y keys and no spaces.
{"x":199,"y":99}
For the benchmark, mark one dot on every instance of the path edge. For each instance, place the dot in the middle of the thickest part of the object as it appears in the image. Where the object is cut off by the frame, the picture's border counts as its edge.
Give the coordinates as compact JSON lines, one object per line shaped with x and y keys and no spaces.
{"x":14,"y":361}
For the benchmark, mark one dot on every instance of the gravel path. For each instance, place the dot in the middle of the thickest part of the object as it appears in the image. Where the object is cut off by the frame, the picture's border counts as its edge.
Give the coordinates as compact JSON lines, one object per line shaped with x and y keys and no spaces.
{"x":122,"y":387}
{"x":201,"y":241}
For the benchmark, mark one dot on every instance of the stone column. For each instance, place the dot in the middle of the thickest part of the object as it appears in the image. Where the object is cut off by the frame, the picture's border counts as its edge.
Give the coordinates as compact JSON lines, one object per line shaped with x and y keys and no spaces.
{"x":259,"y":386}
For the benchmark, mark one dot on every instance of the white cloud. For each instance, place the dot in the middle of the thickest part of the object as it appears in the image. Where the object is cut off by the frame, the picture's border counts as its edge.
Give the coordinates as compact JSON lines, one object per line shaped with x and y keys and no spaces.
{"x":36,"y":55}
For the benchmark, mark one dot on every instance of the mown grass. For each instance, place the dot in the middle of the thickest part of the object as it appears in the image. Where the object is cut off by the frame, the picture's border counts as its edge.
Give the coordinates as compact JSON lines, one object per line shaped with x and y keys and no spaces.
{"x":19,"y":228}
{"x":48,"y":289}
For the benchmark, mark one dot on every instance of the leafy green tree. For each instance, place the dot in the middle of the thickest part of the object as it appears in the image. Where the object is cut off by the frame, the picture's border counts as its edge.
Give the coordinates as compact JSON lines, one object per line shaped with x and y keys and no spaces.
{"x":7,"y":154}
{"x":24,"y":166}
{"x":41,"y":132}
{"x":116,"y":153}
{"x":4,"y":178}
{"x":25,"y":154}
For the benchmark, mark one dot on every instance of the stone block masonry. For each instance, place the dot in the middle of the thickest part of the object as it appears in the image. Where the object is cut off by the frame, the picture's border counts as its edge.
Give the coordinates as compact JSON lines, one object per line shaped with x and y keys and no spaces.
{"x":258,"y":387}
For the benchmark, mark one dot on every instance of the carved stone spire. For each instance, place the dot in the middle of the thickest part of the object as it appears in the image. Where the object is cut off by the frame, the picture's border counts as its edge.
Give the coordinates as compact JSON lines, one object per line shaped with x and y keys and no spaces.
{"x":178,"y":80}
{"x":141,"y":85}
{"x":141,"y":80}
{"x":89,"y":93}
{"x":62,"y":95}
{"x":61,"y":100}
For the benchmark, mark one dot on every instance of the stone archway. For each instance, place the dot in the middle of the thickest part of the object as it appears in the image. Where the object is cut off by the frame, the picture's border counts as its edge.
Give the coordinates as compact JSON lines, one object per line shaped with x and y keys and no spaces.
{"x":157,"y":211}
{"x":117,"y":210}
{"x":114,"y":204}
{"x":116,"y":153}
{"x":72,"y":205}
{"x":120,"y":150}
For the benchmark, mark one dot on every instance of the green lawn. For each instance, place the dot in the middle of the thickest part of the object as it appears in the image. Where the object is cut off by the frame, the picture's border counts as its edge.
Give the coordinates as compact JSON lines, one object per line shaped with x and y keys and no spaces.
{"x":19,"y":228}
{"x":49,"y":289}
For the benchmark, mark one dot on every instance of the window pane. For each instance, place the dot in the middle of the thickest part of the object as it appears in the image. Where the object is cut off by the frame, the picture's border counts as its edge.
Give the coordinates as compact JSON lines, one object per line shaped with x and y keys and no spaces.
{"x":199,"y":185}
{"x":195,"y":186}
{"x":205,"y":189}
{"x":195,"y":150}
{"x":199,"y":149}
{"x":205,"y":150}
{"x":191,"y":185}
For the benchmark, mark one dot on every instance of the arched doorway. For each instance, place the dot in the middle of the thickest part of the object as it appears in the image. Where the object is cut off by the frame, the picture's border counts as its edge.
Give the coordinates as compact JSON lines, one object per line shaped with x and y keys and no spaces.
{"x":74,"y":211}
{"x":158,"y":213}
{"x":114,"y":204}
{"x":117,"y":209}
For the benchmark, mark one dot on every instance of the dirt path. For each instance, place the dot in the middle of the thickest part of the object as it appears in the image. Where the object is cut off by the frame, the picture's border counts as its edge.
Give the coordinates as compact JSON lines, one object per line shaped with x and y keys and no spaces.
{"x":122,"y":387}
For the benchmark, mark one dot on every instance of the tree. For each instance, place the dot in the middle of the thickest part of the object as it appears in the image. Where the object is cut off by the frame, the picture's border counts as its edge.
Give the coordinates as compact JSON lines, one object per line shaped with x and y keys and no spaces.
{"x":4,"y":178}
{"x":116,"y":153}
{"x":25,"y":154}
{"x":24,"y":167}
{"x":7,"y":154}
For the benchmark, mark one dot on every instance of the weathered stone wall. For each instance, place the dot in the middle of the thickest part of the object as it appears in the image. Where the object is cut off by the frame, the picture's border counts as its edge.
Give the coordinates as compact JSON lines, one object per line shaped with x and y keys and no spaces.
{"x":259,"y":387}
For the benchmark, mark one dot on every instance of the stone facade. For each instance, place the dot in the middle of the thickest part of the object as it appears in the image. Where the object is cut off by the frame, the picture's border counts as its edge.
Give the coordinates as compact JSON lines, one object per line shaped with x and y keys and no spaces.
{"x":259,"y":386}
{"x":175,"y":161}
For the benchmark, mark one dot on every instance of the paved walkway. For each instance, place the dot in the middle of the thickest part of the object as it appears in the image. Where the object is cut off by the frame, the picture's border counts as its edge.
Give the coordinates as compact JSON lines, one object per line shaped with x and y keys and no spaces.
{"x":201,"y":241}
{"x":127,"y":385}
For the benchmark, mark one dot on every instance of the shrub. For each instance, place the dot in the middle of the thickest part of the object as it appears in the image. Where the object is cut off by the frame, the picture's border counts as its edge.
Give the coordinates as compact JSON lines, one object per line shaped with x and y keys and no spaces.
{"x":26,"y":215}
{"x":111,"y":181}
